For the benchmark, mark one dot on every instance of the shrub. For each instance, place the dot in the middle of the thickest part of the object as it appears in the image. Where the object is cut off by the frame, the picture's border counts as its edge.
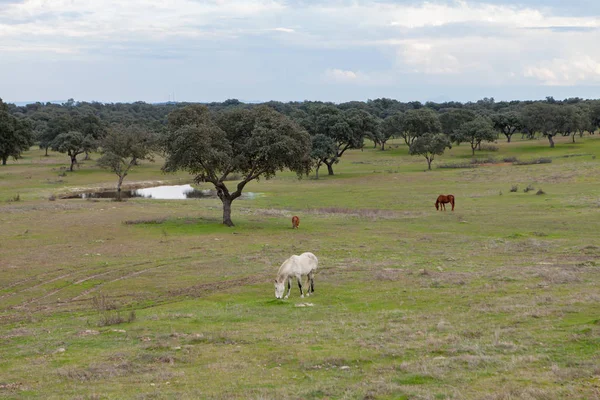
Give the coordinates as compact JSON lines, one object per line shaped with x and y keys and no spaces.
{"x":458,"y":165}
{"x":540,"y":192}
{"x":514,"y":188}
{"x":489,"y":147}
{"x":52,"y":197}
{"x":536,"y":161}
{"x":115,"y":318}
{"x":529,"y":188}
{"x":510,"y":159}
{"x":15,"y":198}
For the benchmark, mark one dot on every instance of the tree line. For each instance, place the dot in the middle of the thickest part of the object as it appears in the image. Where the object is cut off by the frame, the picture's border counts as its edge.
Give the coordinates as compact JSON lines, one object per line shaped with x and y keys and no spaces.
{"x":216,"y":141}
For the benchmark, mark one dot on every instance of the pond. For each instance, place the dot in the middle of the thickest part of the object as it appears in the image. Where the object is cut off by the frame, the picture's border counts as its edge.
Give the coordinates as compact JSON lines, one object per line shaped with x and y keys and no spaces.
{"x":174,"y":192}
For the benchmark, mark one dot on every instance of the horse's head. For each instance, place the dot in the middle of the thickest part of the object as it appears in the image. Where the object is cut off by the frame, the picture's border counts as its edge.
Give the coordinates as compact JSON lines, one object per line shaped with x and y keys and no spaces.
{"x":279,"y":289}
{"x":437,"y":205}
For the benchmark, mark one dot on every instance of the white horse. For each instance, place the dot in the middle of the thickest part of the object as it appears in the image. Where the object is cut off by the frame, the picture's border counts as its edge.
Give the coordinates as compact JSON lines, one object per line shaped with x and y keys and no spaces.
{"x":296,"y":266}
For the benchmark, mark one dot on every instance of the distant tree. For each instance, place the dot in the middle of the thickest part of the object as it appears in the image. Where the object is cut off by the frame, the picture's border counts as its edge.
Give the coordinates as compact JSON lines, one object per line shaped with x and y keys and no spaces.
{"x":452,"y":121}
{"x":390,"y":127}
{"x":323,"y":148}
{"x":542,"y":117}
{"x":477,"y":131}
{"x":122,"y":148}
{"x":253,"y":143}
{"x":417,"y":123}
{"x":90,"y":126}
{"x":346,"y":128}
{"x":584,"y":118}
{"x":429,"y":145}
{"x":16,"y":135}
{"x":57,"y":124}
{"x":73,"y":143}
{"x":507,"y":122}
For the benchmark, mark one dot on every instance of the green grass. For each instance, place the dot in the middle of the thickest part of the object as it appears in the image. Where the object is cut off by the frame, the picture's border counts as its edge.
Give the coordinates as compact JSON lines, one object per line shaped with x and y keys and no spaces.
{"x":496,"y":300}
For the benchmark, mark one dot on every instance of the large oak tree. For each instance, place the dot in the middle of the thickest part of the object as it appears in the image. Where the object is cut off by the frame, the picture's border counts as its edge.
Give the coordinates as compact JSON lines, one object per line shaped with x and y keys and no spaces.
{"x":252,"y":143}
{"x":16,"y":135}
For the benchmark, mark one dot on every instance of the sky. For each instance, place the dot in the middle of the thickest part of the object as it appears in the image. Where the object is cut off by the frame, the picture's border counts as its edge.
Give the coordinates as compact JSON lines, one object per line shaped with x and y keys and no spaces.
{"x":295,"y":50}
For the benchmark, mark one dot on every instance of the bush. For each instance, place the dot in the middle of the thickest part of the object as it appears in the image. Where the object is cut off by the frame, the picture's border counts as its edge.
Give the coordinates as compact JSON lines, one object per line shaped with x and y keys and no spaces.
{"x":489,"y":160}
{"x":489,"y":147}
{"x":115,"y":318}
{"x":514,"y":188}
{"x":15,"y":198}
{"x":510,"y":159}
{"x":529,"y":188}
{"x":458,"y":165}
{"x":536,"y":161}
{"x":540,"y":192}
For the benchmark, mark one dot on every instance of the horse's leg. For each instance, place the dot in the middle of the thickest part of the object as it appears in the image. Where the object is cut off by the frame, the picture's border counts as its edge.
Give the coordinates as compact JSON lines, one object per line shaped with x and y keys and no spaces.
{"x":311,"y":278}
{"x":299,"y":279}
{"x":289,"y":287}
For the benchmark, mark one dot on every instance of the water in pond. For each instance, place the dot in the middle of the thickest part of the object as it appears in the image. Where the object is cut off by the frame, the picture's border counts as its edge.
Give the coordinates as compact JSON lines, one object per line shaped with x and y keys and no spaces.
{"x":175,"y":192}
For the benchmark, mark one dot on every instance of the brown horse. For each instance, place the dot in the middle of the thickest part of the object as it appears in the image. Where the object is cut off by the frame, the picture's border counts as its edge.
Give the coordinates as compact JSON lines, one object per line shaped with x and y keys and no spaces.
{"x":442,"y":200}
{"x":295,"y":222}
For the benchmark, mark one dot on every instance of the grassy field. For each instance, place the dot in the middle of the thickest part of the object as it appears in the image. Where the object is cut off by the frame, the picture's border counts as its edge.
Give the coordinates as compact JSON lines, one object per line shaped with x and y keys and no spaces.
{"x":155,"y":299}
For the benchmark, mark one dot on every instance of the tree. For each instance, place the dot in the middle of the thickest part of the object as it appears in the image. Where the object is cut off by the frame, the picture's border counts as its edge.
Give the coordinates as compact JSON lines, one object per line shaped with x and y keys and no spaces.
{"x":507,"y":123}
{"x":347,"y":129}
{"x":73,"y":143}
{"x":57,"y":124}
{"x":543,"y":118}
{"x":391,"y":127}
{"x":323,"y":148}
{"x":123,"y":147}
{"x":253,"y":143}
{"x":16,"y":135}
{"x":429,"y":145}
{"x":417,"y":123}
{"x":477,"y":131}
{"x":452,"y":120}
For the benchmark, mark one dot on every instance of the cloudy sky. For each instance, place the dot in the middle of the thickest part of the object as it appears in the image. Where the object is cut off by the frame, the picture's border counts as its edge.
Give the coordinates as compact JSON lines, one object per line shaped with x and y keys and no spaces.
{"x":260,"y":50}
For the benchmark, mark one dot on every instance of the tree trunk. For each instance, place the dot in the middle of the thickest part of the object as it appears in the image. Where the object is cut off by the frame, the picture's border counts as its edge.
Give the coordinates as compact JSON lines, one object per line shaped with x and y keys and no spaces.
{"x":508,"y":138}
{"x":46,"y":155}
{"x":73,"y":162}
{"x":429,"y":163}
{"x":573,"y":137}
{"x":473,"y":150}
{"x":4,"y":160}
{"x":329,"y":167}
{"x":551,"y":140}
{"x":119,"y":198}
{"x":227,"y":211}
{"x":317,"y":171}
{"x":382,"y":146}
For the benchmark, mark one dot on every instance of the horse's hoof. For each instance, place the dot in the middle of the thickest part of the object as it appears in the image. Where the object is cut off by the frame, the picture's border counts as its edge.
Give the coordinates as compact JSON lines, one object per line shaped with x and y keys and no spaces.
{"x":286,"y":297}
{"x":302,"y":296}
{"x":307,"y":294}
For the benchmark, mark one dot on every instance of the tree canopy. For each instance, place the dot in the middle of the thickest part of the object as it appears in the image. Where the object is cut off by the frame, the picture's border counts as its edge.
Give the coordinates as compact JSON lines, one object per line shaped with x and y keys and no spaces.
{"x":123,"y":147}
{"x":16,"y":135}
{"x":73,"y":143}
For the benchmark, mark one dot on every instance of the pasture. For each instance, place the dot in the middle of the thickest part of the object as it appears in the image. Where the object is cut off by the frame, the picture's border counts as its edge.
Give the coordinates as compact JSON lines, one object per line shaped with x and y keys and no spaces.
{"x":155,"y":299}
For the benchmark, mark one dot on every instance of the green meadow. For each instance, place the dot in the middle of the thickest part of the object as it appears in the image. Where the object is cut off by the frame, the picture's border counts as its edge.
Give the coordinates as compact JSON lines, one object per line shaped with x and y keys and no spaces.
{"x":155,"y":299}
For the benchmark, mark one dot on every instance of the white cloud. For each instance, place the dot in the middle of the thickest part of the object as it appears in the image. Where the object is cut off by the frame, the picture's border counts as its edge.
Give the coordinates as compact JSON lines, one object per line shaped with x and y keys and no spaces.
{"x":340,"y":75}
{"x":566,"y":72}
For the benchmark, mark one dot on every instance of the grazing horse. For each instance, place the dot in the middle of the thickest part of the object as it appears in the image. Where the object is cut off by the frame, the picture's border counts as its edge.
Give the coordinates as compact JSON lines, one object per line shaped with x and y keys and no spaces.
{"x":296,"y":266}
{"x":295,"y":222}
{"x":442,"y":200}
